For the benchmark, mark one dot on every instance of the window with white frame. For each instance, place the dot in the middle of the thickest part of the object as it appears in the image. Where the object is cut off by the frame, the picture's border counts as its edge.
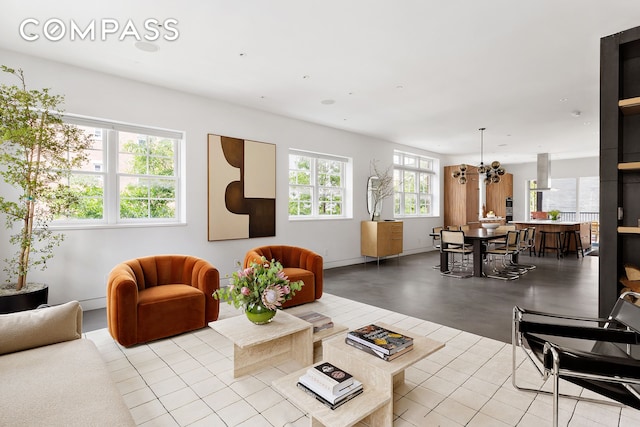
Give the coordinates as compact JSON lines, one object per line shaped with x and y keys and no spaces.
{"x":133,"y":176}
{"x":317,"y":185}
{"x":415,"y":184}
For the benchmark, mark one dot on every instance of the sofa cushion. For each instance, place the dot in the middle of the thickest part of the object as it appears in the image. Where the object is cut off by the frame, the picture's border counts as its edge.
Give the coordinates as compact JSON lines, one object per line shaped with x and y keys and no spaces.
{"x":65,"y":384}
{"x":34,"y":328}
{"x":168,"y":310}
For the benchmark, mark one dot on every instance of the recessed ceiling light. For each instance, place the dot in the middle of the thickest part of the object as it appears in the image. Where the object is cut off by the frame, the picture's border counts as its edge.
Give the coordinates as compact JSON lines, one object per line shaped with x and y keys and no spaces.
{"x":399,"y":87}
{"x":242,"y":54}
{"x":327,"y":101}
{"x":146,"y":46}
{"x":306,"y":76}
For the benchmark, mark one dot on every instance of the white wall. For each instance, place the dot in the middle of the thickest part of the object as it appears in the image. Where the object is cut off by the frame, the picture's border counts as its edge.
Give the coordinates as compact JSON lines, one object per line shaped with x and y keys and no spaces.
{"x":80,"y":266}
{"x":524,"y":172}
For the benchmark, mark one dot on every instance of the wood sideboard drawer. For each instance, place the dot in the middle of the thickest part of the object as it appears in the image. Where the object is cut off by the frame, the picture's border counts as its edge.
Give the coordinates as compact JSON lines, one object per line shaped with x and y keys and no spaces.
{"x":381,"y":238}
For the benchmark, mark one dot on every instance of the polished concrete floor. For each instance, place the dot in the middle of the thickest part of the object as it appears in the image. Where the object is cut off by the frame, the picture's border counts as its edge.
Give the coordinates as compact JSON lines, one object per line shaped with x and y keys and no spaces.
{"x":482,"y":306}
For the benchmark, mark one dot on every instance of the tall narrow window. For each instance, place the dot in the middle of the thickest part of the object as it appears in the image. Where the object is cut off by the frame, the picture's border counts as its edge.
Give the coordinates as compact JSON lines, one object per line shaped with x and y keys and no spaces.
{"x":317,"y":185}
{"x":415,"y":185}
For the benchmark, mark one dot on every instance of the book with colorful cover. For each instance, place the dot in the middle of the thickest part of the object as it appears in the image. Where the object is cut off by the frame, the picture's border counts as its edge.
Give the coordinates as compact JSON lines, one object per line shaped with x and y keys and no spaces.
{"x":332,"y":398}
{"x":375,"y":352}
{"x":324,"y":401}
{"x":318,"y":320}
{"x":330,"y":377}
{"x":381,"y":339}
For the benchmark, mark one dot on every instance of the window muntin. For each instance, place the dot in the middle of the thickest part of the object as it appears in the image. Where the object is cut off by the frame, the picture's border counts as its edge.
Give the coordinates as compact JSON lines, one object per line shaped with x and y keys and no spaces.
{"x":317,"y":185}
{"x":577,"y":199}
{"x":133,"y":176}
{"x":413,"y":177}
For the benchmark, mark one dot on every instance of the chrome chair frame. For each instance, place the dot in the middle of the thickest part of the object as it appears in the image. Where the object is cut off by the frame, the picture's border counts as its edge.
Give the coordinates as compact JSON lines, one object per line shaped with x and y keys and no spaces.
{"x":508,"y":271}
{"x":534,"y":329}
{"x":453,"y":243}
{"x":523,"y":246}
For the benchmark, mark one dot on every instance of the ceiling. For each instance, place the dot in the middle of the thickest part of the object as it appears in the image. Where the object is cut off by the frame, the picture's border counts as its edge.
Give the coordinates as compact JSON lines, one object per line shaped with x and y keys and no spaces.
{"x":423,"y":73}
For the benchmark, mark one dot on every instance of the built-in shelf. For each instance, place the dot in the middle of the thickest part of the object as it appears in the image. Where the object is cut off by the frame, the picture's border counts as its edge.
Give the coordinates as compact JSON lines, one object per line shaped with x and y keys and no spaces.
{"x":629,"y":230}
{"x":629,"y":106}
{"x":629,"y":166}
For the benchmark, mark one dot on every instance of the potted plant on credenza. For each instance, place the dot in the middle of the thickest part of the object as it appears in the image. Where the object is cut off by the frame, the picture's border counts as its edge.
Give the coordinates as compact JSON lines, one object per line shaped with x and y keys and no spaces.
{"x":37,"y":153}
{"x":379,"y":187}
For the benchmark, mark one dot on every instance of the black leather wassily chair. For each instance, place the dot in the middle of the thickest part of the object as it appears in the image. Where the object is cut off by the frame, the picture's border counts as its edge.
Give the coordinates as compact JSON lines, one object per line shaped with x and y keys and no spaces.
{"x":596,"y":354}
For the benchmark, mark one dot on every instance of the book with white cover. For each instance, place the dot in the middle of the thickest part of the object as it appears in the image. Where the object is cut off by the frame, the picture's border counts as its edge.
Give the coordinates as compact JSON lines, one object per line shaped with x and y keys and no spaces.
{"x":333,"y":379}
{"x":324,"y":393}
{"x":324,"y":401}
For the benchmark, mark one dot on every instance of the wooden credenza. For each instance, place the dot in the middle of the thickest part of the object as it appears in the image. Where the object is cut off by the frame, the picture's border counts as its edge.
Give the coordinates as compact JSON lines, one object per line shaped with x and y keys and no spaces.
{"x":380,"y":238}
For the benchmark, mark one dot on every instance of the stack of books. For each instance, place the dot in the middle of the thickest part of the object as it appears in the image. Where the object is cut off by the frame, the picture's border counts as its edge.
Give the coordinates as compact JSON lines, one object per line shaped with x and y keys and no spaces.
{"x":319,"y":321}
{"x":380,"y":342}
{"x":330,"y":385}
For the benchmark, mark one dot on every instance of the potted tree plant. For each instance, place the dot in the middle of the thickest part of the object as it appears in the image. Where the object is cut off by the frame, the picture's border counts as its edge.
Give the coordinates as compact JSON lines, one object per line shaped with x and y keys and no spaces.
{"x":37,"y":153}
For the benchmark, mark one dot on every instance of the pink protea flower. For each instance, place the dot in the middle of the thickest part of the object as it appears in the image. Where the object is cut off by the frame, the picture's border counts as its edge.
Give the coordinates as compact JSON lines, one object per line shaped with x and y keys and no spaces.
{"x":245,"y":291}
{"x":281,"y":275}
{"x":286,"y":289}
{"x":272,"y":297}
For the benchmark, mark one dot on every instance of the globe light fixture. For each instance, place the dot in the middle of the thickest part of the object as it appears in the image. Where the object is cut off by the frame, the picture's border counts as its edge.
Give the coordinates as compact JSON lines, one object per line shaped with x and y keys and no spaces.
{"x":491,"y":172}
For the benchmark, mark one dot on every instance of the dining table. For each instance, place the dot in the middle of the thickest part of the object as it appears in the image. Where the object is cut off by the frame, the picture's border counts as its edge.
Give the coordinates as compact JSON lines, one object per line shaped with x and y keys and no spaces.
{"x":478,"y":238}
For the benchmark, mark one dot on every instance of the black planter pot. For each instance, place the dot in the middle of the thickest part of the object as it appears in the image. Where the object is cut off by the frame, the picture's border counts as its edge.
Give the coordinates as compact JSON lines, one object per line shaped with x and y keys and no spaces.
{"x":25,"y":301}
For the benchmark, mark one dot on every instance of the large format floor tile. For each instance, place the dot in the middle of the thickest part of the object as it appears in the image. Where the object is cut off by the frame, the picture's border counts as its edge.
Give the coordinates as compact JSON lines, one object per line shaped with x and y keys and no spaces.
{"x":188,"y":380}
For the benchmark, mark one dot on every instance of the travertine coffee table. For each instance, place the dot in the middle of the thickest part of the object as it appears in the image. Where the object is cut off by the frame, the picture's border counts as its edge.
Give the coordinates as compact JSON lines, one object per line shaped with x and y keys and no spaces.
{"x":257,"y":346}
{"x":323,"y":335}
{"x":378,"y":378}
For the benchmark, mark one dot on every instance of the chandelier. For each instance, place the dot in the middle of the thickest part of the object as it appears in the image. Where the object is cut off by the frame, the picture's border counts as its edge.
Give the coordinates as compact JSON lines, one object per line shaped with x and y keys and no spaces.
{"x":492,"y":172}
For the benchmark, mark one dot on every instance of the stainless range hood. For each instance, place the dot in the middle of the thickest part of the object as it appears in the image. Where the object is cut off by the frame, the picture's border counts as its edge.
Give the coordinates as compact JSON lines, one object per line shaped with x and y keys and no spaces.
{"x":543,"y":179}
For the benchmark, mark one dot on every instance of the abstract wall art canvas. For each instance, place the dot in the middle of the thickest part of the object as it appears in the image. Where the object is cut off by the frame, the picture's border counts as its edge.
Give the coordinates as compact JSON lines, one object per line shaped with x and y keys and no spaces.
{"x":242,"y":188}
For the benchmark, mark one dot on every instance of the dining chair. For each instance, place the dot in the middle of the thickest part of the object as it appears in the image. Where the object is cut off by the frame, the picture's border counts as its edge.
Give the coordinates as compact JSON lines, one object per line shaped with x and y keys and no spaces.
{"x":435,"y":240}
{"x":531,"y":243}
{"x":507,"y":269}
{"x":452,"y":242}
{"x":522,"y":247}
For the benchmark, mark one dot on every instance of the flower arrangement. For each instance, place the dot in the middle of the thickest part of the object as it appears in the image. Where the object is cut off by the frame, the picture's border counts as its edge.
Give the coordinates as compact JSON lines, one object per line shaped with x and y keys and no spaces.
{"x":261,"y":283}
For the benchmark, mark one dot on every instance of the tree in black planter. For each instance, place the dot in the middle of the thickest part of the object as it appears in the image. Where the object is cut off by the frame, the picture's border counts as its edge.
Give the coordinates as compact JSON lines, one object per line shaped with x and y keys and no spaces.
{"x":37,"y":153}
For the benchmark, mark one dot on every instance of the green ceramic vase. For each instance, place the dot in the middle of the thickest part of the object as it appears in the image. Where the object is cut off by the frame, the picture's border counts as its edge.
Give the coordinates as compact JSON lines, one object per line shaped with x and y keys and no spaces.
{"x":258,"y":314}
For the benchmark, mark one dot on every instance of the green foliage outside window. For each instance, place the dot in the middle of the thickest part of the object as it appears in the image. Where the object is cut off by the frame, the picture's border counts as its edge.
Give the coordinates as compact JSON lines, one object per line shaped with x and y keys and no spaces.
{"x":315,"y":181}
{"x":144,"y":197}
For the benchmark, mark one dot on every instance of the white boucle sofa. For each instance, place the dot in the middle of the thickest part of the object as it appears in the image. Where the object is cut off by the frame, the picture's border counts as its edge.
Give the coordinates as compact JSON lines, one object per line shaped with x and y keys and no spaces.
{"x":51,"y":376}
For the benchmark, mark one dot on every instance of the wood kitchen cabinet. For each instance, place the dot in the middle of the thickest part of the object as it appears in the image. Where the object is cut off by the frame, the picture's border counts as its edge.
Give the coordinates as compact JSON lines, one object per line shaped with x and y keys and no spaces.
{"x":381,"y":238}
{"x":462,"y":201}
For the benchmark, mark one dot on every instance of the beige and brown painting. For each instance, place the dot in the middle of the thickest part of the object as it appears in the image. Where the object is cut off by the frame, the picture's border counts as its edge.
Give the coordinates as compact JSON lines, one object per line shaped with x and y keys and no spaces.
{"x":242,"y":188}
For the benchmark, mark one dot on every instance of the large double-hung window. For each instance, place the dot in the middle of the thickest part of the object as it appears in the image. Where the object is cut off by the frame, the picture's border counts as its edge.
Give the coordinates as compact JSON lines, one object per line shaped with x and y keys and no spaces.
{"x":133,"y":176}
{"x":415,"y":185}
{"x":318,"y":185}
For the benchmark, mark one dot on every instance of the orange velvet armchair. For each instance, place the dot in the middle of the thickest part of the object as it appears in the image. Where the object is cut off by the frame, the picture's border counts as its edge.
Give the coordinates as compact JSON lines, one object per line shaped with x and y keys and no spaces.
{"x":160,"y":296}
{"x":298,"y":264}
